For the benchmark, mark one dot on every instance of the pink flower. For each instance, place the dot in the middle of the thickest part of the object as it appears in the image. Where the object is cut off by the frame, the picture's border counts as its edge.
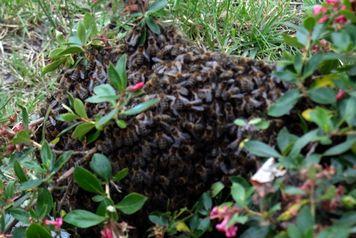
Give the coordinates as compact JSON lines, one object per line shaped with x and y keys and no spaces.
{"x":223,"y":227}
{"x":323,"y":19}
{"x":57,"y":223}
{"x":317,"y":9}
{"x":224,"y":214}
{"x":18,"y":127}
{"x":231,"y":231}
{"x":136,"y":87}
{"x":341,"y":19}
{"x":340,"y":95}
{"x":106,"y":233}
{"x":332,"y":2}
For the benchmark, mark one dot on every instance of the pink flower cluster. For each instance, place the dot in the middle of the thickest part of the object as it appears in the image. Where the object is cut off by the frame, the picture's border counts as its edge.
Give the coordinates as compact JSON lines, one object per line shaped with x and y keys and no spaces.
{"x":224,"y":214}
{"x":334,"y":6}
{"x":57,"y":223}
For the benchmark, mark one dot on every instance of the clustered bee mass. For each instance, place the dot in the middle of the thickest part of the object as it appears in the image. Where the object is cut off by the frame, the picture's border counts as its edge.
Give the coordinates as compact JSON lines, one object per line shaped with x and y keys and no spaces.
{"x":177,"y":149}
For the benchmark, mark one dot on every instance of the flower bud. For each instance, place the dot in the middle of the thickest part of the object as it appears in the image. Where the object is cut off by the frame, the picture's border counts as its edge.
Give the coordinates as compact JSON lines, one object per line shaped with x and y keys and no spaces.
{"x":136,"y":87}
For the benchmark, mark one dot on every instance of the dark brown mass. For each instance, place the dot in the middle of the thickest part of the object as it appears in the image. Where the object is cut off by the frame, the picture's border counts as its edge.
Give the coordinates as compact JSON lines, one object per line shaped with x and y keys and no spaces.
{"x":176,"y":150}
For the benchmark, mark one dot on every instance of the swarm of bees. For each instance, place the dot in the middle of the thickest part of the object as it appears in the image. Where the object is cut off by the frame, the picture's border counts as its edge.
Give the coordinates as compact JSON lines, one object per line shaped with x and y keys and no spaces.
{"x":176,"y":150}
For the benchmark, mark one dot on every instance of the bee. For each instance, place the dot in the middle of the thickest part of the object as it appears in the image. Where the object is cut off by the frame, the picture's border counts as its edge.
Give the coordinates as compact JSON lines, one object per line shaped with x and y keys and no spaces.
{"x":205,"y":94}
{"x":208,"y":134}
{"x":221,"y":87}
{"x":75,"y":75}
{"x":188,"y":150}
{"x":142,"y":129}
{"x":133,"y":37}
{"x":146,"y":149}
{"x":137,"y":58}
{"x":179,"y":137}
{"x":202,"y":172}
{"x":80,"y":91}
{"x":152,"y":48}
{"x":233,"y":92}
{"x":99,"y":74}
{"x":246,"y":84}
{"x":181,"y":181}
{"x":163,"y":141}
{"x":163,"y":181}
{"x":226,"y":74}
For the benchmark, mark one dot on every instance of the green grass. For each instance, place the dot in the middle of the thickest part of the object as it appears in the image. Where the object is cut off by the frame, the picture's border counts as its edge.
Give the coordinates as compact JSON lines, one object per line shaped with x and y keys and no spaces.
{"x":241,"y":27}
{"x":29,"y":29}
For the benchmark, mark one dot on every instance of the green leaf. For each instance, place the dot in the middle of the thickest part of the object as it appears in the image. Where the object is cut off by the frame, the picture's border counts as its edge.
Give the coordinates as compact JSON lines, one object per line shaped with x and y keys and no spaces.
{"x":141,"y":107}
{"x":82,"y":129}
{"x":121,"y":175}
{"x":303,"y":141}
{"x":294,"y":232}
{"x":121,"y":70}
{"x":83,"y":218}
{"x":286,"y":75}
{"x":19,"y":214}
{"x":284,"y":104}
{"x":106,"y":119}
{"x":318,"y":31}
{"x":30,"y":184}
{"x":61,"y":161}
{"x":238,"y":193}
{"x":154,"y":27}
{"x":342,"y":147}
{"x":19,"y":232}
{"x":90,"y":25}
{"x":312,"y":65}
{"x":309,"y":23}
{"x":349,"y":113}
{"x":261,"y":149}
{"x":285,"y":140}
{"x":81,"y":34}
{"x":292,"y":41}
{"x":22,"y":137}
{"x":101,"y":165}
{"x":9,"y":190}
{"x":237,"y":219}
{"x":47,"y":156}
{"x":114,"y":77}
{"x":67,"y":117}
{"x":305,"y":220}
{"x":341,"y":40}
{"x":44,"y":202}
{"x":156,"y":6}
{"x":25,"y":117}
{"x":121,"y":123}
{"x":87,"y":181}
{"x":74,"y":49}
{"x":323,"y":95}
{"x":240,"y":122}
{"x":104,"y":93}
{"x":93,"y":136}
{"x":302,"y":36}
{"x":52,"y":66}
{"x":131,"y":203}
{"x":298,"y":63}
{"x":37,"y":231}
{"x":79,"y":108}
{"x":322,"y":118}
{"x":206,"y":200}
{"x":19,"y":172}
{"x":216,"y":188}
